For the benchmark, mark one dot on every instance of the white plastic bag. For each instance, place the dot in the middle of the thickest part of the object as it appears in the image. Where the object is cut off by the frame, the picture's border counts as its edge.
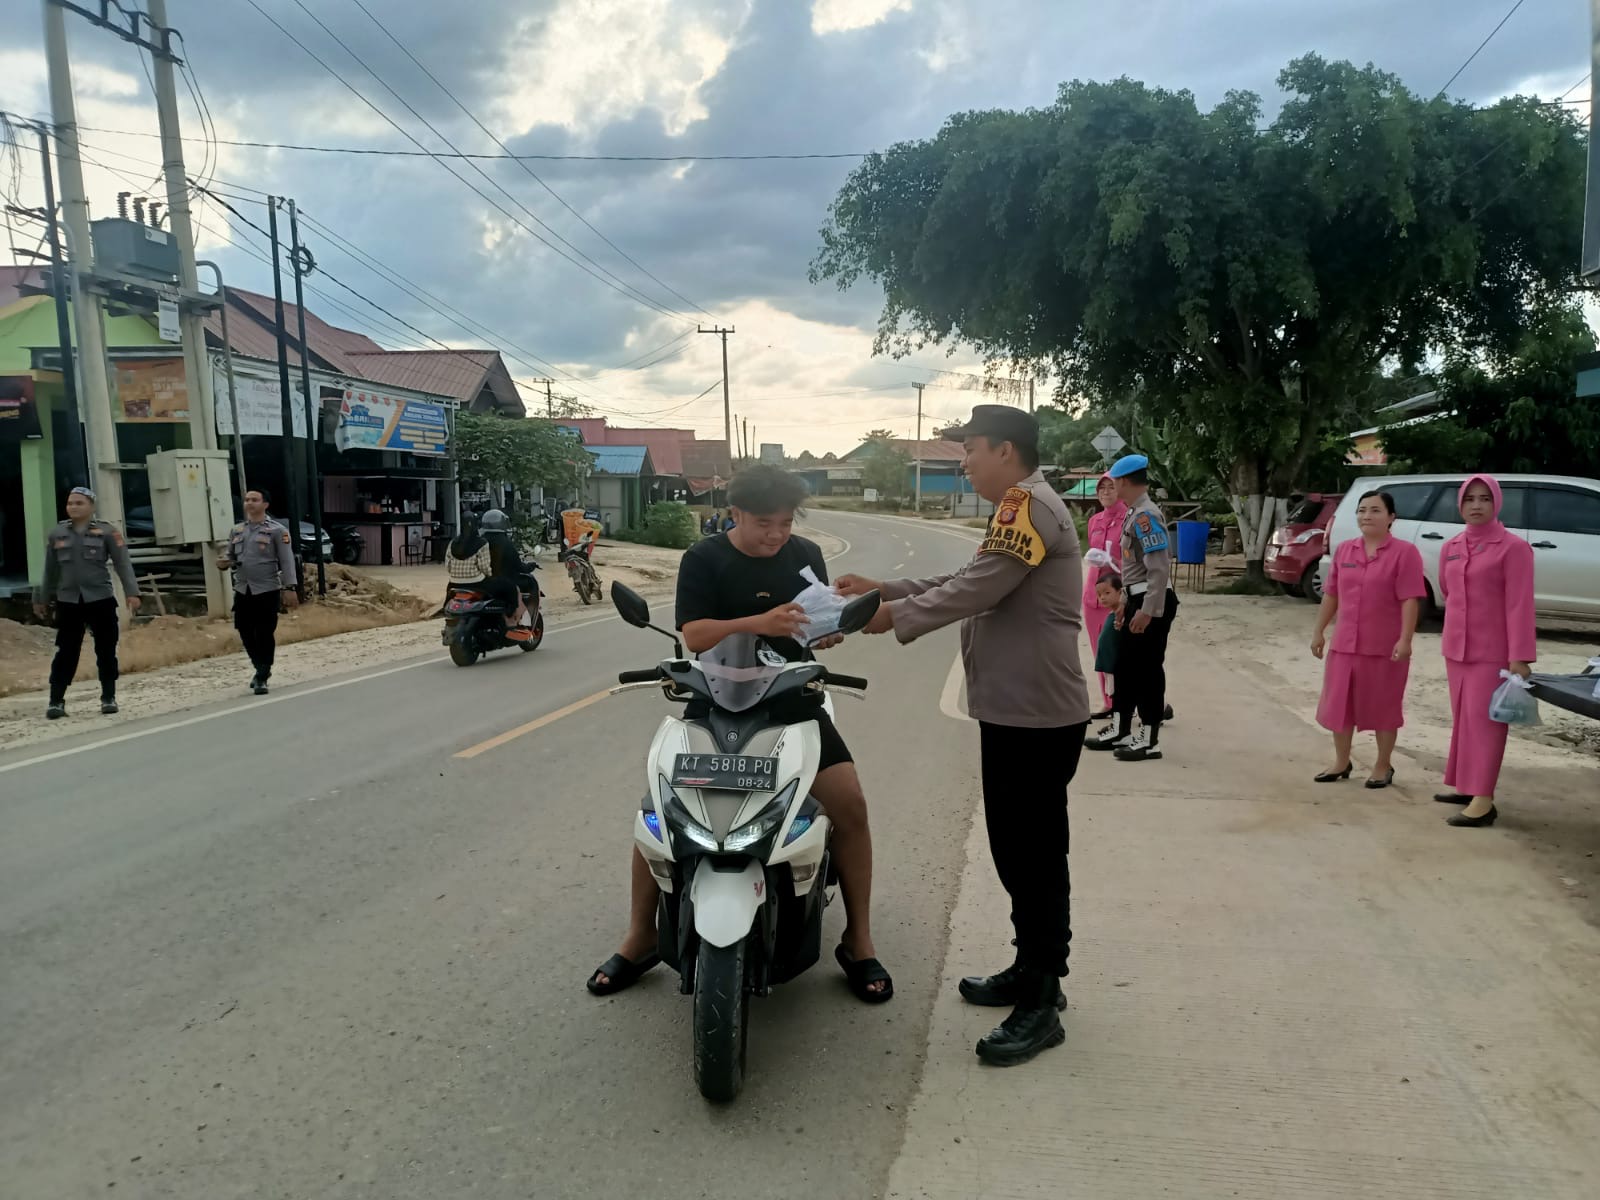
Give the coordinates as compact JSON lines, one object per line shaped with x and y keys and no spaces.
{"x":823,"y":606}
{"x":1513,"y":702}
{"x":1594,"y":665}
{"x":1099,"y":558}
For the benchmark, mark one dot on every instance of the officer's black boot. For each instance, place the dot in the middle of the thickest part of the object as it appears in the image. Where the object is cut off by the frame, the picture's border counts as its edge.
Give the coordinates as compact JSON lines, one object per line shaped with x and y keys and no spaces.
{"x":57,"y":710}
{"x":1003,"y":990}
{"x":108,"y":705}
{"x":258,"y":681}
{"x":1032,"y":1026}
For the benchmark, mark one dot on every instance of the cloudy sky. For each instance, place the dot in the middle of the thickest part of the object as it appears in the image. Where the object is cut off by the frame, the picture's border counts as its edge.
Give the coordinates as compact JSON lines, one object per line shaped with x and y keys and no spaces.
{"x":709,"y":241}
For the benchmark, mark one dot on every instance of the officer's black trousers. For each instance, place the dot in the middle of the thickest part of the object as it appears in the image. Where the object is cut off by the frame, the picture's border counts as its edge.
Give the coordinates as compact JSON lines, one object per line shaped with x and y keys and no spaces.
{"x":1142,"y":665}
{"x":1025,"y":777}
{"x":99,"y":617}
{"x":255,"y":616}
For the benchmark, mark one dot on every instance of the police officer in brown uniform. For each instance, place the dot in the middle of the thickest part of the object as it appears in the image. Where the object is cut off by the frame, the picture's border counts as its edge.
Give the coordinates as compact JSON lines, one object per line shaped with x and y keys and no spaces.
{"x":262,"y":558}
{"x":1020,"y":601}
{"x":78,"y":557}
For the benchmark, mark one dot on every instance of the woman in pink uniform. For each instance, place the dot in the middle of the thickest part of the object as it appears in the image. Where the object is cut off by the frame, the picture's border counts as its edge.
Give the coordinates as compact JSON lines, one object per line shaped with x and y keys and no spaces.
{"x":1375,"y":586}
{"x":1104,"y":532}
{"x":1487,"y":576}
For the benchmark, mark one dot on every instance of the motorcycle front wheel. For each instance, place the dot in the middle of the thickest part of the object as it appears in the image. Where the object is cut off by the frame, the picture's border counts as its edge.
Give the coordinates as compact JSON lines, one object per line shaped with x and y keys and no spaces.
{"x":721,"y":1020}
{"x":534,"y":642}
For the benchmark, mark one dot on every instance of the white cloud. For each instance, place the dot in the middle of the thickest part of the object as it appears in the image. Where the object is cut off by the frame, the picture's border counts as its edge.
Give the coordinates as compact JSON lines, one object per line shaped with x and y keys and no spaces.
{"x":593,"y":62}
{"x":841,"y":16}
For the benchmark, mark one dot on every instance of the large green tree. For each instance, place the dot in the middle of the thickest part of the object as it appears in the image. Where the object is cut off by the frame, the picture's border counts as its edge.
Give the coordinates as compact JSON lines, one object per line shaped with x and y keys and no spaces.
{"x":1245,"y":282}
{"x":1514,"y":413}
{"x":884,"y":465}
{"x":525,"y":453}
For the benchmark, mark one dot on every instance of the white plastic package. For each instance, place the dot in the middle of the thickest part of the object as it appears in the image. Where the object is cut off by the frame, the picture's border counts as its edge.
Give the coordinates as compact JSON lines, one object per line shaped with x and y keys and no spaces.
{"x":824,"y":607}
{"x":1513,"y":702}
{"x":1099,"y":558}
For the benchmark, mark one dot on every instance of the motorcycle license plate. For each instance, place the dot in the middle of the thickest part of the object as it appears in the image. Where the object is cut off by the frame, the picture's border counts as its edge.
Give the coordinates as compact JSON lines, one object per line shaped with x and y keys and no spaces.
{"x":726,"y":772}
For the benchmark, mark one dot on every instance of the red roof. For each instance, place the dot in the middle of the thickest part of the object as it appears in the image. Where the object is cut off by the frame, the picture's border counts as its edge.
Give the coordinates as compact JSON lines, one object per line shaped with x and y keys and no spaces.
{"x":673,"y":452}
{"x":455,"y":373}
{"x":12,"y":280}
{"x":931,"y":450}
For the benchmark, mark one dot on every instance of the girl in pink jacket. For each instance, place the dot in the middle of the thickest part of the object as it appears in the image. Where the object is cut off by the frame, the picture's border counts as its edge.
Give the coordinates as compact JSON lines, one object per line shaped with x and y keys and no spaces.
{"x":1486,"y":573}
{"x":1104,"y":532}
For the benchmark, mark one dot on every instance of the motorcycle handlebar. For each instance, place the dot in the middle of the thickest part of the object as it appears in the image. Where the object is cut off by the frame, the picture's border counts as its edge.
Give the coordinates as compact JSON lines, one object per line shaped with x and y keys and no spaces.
{"x":650,"y":676}
{"x":847,"y":681}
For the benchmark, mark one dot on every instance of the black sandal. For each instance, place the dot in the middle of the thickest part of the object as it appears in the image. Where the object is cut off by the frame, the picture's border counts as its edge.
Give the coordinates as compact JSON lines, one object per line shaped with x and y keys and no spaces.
{"x":862,"y":973}
{"x":620,"y":973}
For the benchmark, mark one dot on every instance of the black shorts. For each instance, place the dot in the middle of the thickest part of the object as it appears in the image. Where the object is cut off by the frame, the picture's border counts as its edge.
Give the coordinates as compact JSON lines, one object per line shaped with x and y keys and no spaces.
{"x":834,"y":751}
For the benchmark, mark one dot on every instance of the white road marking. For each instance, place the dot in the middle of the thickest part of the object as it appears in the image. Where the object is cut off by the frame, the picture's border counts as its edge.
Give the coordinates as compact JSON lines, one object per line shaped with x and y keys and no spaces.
{"x":950,"y":698}
{"x":257,"y":704}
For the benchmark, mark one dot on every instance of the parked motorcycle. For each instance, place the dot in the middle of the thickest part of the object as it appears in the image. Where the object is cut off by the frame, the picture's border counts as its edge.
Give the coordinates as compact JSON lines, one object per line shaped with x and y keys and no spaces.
{"x":348,"y":544}
{"x":475,"y":623}
{"x":585,"y":579}
{"x":733,"y":838}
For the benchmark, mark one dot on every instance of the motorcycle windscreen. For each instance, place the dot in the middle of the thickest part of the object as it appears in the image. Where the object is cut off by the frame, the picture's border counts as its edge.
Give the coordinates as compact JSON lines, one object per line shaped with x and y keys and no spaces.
{"x":740,"y":671}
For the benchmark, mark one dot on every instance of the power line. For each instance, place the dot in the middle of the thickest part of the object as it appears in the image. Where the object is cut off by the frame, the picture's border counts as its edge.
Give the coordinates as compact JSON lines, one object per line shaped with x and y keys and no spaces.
{"x":622,"y":289}
{"x":527,"y":169}
{"x":507,"y":156}
{"x":1473,"y":56}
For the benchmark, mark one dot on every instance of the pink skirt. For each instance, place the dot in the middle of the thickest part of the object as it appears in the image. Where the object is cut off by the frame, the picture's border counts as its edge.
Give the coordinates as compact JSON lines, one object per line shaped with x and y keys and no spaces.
{"x":1094,"y":620}
{"x":1363,"y":691}
{"x":1477,"y":744}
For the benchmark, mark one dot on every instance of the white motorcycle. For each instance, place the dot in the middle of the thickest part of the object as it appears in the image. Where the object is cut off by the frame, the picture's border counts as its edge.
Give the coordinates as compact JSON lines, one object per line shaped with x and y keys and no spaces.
{"x":732,"y":835}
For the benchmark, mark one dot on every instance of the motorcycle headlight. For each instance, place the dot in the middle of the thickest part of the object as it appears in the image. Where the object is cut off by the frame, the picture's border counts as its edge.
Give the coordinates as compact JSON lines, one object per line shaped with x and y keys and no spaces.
{"x":764,"y":824}
{"x":680,"y":823}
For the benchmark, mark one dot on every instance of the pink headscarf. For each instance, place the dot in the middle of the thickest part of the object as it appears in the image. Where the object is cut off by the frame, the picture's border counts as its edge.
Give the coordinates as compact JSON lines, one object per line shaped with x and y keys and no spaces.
{"x":1493,"y":529}
{"x":1118,"y":511}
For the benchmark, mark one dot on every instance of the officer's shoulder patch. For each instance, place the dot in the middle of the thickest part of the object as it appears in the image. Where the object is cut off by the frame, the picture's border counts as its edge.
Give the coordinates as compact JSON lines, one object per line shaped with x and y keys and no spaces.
{"x":284,"y":537}
{"x":116,"y":536}
{"x":1012,"y":532}
{"x":239,"y":528}
{"x":1150,"y":532}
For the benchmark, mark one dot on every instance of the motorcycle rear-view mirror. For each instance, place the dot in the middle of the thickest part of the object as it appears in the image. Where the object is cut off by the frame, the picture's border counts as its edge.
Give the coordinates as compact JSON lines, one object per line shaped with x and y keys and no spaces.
{"x":632,"y":607}
{"x":859,"y":611}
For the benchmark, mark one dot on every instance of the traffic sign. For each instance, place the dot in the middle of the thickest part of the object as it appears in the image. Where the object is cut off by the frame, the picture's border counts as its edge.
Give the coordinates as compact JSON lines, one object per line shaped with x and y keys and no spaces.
{"x":1108,"y":441}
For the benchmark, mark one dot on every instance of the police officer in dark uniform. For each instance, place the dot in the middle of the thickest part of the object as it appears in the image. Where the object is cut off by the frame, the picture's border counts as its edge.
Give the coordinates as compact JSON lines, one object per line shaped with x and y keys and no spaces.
{"x":78,"y":557}
{"x":1020,"y":602}
{"x":261,"y":555}
{"x":1145,"y":621}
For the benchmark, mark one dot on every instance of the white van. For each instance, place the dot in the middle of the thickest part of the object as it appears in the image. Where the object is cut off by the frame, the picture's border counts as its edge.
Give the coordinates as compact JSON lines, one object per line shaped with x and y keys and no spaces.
{"x":1558,"y":514}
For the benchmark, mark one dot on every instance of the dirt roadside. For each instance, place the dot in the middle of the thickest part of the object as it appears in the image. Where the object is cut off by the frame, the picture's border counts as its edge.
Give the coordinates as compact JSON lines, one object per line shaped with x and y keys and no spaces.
{"x":216,"y":669}
{"x":1551,"y":779}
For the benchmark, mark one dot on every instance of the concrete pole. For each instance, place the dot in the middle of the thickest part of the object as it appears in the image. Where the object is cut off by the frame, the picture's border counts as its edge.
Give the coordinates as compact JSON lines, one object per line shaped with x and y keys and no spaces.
{"x":196,"y":362}
{"x":96,"y":394}
{"x":233,"y":391}
{"x":916,"y":452}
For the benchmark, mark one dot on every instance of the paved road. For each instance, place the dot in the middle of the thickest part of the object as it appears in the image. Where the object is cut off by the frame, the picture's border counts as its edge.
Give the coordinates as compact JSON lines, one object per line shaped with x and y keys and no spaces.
{"x":306,"y":948}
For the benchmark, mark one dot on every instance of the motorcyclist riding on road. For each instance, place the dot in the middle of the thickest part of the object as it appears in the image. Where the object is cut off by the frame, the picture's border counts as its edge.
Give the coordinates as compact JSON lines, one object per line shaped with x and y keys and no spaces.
{"x":745,"y":581}
{"x":499,"y":572}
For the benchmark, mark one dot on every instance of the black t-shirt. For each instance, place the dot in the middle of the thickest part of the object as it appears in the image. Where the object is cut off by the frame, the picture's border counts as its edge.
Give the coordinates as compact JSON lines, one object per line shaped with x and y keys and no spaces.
{"x":716,"y":582}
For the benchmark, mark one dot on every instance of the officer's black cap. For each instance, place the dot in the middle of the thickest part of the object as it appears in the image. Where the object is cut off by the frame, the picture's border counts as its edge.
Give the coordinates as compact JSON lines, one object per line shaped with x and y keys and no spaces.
{"x":999,"y":423}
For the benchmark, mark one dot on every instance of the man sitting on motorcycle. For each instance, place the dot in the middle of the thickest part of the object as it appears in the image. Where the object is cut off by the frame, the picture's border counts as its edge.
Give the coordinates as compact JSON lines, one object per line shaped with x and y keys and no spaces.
{"x":484,"y":558}
{"x":744,"y":581}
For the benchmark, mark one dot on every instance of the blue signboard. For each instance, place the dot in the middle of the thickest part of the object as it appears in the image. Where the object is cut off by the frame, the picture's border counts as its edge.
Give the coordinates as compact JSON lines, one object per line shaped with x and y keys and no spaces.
{"x":375,"y":421}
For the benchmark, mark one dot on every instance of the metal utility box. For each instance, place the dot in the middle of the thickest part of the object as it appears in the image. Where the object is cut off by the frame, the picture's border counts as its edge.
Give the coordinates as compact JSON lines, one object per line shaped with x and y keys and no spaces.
{"x":191,"y":497}
{"x":136,"y":249}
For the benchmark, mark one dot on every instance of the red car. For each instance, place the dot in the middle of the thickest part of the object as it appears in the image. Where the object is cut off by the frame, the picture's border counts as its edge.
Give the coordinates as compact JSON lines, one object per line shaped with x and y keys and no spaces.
{"x":1297,"y":547}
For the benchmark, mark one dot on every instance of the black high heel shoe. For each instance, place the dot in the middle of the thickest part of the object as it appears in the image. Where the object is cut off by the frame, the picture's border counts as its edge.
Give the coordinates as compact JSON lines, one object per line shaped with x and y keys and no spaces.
{"x":1462,"y":821}
{"x":1383,"y":782}
{"x":1451,"y":798}
{"x":1334,"y":776}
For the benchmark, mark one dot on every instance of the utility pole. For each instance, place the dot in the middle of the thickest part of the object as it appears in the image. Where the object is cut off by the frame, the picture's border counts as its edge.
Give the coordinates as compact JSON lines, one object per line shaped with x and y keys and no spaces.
{"x":744,"y":437}
{"x":191,"y":325}
{"x":290,"y":498}
{"x":917,"y":447}
{"x":727,"y":408}
{"x":1030,"y":393}
{"x":59,"y":290}
{"x":549,"y":400}
{"x":302,"y":262}
{"x":96,"y":398}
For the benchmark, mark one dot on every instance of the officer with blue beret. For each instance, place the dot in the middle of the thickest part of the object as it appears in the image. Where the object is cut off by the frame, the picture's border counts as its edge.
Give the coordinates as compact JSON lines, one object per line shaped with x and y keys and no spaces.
{"x":1145,"y":620}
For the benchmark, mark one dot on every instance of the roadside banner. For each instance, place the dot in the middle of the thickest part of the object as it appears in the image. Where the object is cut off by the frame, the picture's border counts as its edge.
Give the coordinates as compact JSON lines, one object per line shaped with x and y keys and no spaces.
{"x":151,"y":389}
{"x":377,"y":421}
{"x":260,"y":405}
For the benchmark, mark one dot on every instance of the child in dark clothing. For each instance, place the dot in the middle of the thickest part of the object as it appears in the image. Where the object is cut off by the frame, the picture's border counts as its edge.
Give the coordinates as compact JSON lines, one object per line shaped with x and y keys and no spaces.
{"x":1110,"y":595}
